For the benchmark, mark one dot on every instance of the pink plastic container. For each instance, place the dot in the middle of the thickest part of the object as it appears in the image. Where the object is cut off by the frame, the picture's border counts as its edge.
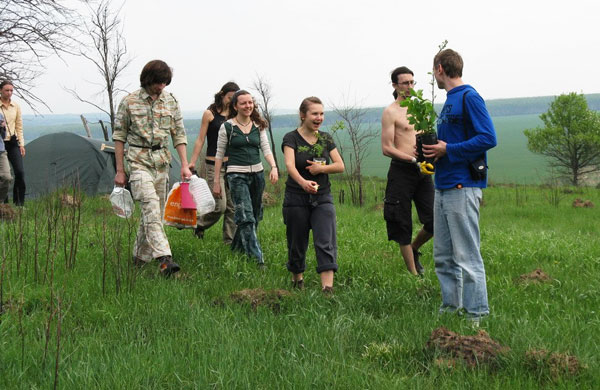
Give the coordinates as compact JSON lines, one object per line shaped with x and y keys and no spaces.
{"x":187,"y":202}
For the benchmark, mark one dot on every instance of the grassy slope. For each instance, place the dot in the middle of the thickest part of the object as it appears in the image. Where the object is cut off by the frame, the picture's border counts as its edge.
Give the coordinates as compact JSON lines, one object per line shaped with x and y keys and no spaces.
{"x":187,"y":333}
{"x":510,"y":161}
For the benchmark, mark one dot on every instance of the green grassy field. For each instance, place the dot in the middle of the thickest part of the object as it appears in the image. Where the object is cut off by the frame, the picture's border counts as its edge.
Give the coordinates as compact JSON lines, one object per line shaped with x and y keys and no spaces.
{"x":86,"y":319}
{"x":509,"y":162}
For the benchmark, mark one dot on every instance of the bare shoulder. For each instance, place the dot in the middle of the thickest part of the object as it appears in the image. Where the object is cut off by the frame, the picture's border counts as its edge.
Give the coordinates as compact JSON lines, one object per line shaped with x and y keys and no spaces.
{"x":391,"y":108}
{"x":208,"y":116}
{"x":394,"y":112}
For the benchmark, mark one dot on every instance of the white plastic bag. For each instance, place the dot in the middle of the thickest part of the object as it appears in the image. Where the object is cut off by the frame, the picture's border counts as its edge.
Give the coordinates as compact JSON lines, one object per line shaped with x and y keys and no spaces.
{"x":122,"y":203}
{"x":205,"y":203}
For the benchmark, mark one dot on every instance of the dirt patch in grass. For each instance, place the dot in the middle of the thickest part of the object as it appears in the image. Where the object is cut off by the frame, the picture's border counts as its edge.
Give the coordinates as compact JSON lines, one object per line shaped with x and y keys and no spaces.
{"x":7,"y":212}
{"x":103,"y":211}
{"x":259,"y":297}
{"x":556,"y":365}
{"x":580,"y":203}
{"x":535,"y":276}
{"x":6,"y":306}
{"x":377,"y":207}
{"x":472,"y":350}
{"x":70,"y":200}
{"x":269,"y":199}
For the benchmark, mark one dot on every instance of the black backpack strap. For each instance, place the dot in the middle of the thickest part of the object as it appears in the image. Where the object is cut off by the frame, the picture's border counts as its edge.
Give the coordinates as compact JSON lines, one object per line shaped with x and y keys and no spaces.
{"x":465,"y":114}
{"x":228,"y":131}
{"x":481,"y":159}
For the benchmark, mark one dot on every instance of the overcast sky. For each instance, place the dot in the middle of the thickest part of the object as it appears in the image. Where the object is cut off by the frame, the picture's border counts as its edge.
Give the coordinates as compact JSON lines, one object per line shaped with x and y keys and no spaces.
{"x":334,"y":48}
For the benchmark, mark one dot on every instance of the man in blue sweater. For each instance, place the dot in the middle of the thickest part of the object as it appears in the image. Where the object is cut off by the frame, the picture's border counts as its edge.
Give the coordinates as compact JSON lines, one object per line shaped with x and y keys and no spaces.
{"x":465,"y":133}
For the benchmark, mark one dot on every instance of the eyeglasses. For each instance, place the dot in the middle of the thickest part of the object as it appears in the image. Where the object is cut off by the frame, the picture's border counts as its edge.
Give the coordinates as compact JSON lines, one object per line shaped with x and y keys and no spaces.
{"x":407,"y":83}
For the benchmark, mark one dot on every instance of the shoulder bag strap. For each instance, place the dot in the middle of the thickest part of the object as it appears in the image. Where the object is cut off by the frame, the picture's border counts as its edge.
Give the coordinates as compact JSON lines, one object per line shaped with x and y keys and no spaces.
{"x":230,"y":130}
{"x":5,"y":119}
{"x":465,"y":114}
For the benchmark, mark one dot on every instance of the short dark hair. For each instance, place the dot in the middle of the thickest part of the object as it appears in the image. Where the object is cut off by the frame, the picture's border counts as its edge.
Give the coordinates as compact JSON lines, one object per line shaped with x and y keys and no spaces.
{"x":397,"y":72}
{"x":451,"y":62}
{"x":6,"y":82}
{"x":156,"y":72}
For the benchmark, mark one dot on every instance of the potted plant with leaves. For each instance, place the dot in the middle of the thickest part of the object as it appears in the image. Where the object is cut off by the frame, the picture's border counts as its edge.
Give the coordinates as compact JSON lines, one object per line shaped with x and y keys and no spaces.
{"x":422,"y":116}
{"x":316,"y":149}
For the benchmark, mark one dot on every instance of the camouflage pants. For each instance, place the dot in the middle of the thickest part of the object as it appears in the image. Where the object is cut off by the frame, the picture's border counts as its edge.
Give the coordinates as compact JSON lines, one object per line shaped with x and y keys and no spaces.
{"x":223,"y":206}
{"x":246,"y":193}
{"x":5,"y":177}
{"x":149,"y":187}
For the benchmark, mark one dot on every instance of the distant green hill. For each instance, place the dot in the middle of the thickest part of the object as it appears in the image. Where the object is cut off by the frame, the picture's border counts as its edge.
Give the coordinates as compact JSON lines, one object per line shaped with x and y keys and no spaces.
{"x":510,"y":161}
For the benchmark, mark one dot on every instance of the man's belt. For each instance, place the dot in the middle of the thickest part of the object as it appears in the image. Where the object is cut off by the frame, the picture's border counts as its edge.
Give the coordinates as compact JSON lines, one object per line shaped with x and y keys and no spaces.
{"x":153,"y":147}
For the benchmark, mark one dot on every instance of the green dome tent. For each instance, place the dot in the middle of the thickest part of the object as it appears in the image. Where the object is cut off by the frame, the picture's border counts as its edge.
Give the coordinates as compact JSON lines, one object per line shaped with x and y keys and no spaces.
{"x":61,"y":159}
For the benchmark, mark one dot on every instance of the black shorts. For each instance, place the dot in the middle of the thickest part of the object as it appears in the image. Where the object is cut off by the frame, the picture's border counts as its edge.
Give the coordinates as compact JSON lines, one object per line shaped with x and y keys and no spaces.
{"x":405,"y":184}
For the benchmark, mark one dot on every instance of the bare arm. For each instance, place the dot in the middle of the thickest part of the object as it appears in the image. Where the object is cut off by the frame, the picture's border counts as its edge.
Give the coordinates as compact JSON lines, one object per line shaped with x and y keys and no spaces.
{"x":273,"y":175}
{"x":120,"y":179}
{"x":182,"y":152}
{"x":199,"y":143}
{"x":290,"y":164}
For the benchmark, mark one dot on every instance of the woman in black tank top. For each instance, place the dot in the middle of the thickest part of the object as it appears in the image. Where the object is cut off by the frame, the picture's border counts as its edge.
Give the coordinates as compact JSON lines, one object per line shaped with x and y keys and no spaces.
{"x":212,"y":119}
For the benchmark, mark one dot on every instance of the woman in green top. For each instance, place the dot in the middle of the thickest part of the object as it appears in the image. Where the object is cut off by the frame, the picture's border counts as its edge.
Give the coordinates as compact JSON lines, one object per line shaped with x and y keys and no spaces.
{"x":243,"y":136}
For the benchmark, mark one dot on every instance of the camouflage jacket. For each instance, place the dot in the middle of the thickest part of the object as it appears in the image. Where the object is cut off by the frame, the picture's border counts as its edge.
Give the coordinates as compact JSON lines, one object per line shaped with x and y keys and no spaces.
{"x":146,"y":125}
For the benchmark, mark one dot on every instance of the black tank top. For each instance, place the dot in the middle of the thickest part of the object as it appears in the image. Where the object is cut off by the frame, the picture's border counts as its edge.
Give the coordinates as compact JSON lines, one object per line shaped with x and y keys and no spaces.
{"x":212,"y":134}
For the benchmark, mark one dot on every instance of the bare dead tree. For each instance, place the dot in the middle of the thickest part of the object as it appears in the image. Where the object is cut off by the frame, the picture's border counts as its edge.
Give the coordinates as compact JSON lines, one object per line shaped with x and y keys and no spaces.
{"x":108,"y":55}
{"x":353,"y":136}
{"x":263,"y":88}
{"x":30,"y":32}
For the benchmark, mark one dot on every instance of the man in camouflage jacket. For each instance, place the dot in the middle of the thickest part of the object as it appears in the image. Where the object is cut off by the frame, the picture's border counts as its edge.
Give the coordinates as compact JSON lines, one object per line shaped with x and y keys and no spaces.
{"x":145,"y":120}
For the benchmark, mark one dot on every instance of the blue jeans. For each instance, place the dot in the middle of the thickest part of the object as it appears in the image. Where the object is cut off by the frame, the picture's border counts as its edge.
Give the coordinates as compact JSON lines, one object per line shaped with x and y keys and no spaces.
{"x":246,"y":194}
{"x":456,"y":250}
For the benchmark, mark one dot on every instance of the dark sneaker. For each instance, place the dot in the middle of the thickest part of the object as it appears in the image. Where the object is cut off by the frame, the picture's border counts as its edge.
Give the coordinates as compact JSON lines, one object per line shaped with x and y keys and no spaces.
{"x":418,"y":266}
{"x":167,"y":266}
{"x":199,"y":232}
{"x":298,"y":284}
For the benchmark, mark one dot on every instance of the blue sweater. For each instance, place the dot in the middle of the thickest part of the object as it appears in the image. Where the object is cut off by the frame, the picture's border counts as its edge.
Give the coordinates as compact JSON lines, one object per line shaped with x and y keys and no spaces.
{"x":453,"y":169}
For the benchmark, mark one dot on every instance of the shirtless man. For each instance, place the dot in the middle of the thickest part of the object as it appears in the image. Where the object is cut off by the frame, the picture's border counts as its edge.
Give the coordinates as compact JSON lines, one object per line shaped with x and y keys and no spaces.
{"x":405,"y":183}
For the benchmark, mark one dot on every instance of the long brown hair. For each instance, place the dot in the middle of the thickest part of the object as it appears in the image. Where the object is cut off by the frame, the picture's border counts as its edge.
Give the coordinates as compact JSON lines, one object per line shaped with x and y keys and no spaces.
{"x":217,"y":106}
{"x":254,"y":116}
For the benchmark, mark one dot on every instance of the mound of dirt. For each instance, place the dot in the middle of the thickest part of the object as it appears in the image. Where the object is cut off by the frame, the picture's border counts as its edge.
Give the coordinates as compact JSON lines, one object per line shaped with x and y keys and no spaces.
{"x":556,"y":364}
{"x":259,"y":297}
{"x":378,"y":207}
{"x":269,"y":199}
{"x":580,"y":203}
{"x":7,"y":213}
{"x":473,"y":350}
{"x":535,"y":276}
{"x":70,"y":200}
